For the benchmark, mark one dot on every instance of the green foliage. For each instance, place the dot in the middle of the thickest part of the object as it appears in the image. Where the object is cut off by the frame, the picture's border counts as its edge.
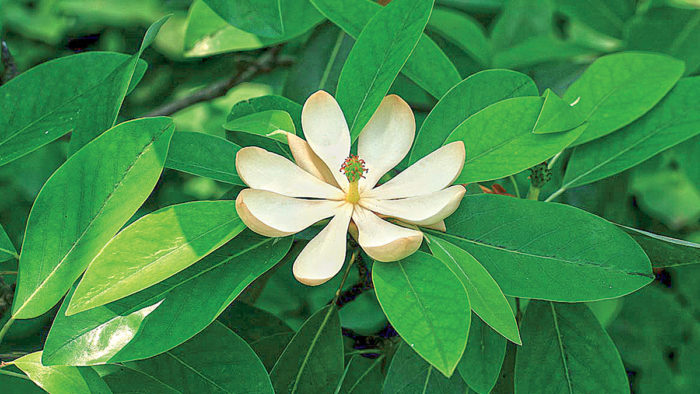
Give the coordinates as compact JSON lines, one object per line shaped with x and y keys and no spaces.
{"x":125,"y":240}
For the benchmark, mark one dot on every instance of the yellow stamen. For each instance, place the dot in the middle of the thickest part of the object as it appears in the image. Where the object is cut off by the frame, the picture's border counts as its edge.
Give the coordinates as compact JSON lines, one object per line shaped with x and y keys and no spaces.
{"x":353,"y":195}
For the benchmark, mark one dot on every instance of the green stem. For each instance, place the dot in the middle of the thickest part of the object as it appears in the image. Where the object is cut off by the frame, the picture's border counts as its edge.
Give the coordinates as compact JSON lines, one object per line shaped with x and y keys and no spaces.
{"x":13,"y":374}
{"x":8,"y":272}
{"x":363,"y":351}
{"x":6,"y":328}
{"x":533,"y":193}
{"x":554,"y":160}
{"x":345,"y":276}
{"x":515,"y":186}
{"x":555,"y":194}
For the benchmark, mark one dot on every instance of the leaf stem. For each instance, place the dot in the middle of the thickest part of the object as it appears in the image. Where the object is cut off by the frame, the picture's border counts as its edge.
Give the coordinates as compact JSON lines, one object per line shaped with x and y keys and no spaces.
{"x":533,"y":193}
{"x":554,"y":160}
{"x":6,"y":328}
{"x":345,"y":276}
{"x":515,"y":186}
{"x":8,"y":272}
{"x":13,"y":374}
{"x":555,"y":194}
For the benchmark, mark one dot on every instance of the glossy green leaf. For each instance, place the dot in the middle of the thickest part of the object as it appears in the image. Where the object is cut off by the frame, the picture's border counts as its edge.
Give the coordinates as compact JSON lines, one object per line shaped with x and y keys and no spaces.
{"x":520,"y":20}
{"x":428,"y":65}
{"x":126,"y":380}
{"x":408,"y":373}
{"x":485,"y":297}
{"x":260,"y":17}
{"x":466,"y":99}
{"x":565,"y":350}
{"x":319,"y":64}
{"x":154,"y":248}
{"x":665,"y":251}
{"x":482,"y":358}
{"x":215,"y":361}
{"x":61,"y":379}
{"x":670,"y":30}
{"x":528,"y":247}
{"x":84,"y":203}
{"x":362,"y":376}
{"x":268,"y":103}
{"x":556,"y":115}
{"x":18,"y":384}
{"x":208,"y":34}
{"x":372,"y":64}
{"x":264,"y":129}
{"x":617,"y":89}
{"x":110,"y":94}
{"x":605,"y":16}
{"x":462,"y":31}
{"x":427,"y":305}
{"x":76,"y":101}
{"x":500,"y":142}
{"x":313,"y":361}
{"x":7,"y":249}
{"x":674,"y":120}
{"x":204,"y":155}
{"x":151,"y":317}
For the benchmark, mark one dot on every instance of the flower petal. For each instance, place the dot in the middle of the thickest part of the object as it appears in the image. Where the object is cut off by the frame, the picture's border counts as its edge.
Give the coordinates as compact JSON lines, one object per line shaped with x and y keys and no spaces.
{"x":264,"y":170}
{"x":439,"y":226}
{"x":305,"y":158}
{"x":384,"y":241}
{"x":429,"y":174}
{"x":422,"y":210}
{"x":327,"y":132}
{"x":274,"y":215}
{"x":386,"y":139}
{"x":324,"y":255}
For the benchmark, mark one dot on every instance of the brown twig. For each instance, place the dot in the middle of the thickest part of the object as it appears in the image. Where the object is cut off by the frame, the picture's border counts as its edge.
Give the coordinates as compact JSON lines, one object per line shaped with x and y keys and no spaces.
{"x":8,"y":63}
{"x":261,"y":65}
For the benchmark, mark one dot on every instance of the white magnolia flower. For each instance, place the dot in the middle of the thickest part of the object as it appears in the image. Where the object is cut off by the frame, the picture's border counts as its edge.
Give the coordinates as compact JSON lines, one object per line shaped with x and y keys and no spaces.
{"x":327,"y":182}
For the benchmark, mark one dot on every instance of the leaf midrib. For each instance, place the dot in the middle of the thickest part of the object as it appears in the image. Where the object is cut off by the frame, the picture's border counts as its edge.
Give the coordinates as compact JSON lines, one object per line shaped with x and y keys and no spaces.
{"x":561,"y":348}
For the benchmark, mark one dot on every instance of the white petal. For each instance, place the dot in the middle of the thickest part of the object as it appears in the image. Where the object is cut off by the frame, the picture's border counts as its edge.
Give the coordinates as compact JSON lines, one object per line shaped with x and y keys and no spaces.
{"x":324,"y":256}
{"x":264,"y":170}
{"x":439,"y":226}
{"x":422,"y":210}
{"x":429,"y":174}
{"x":327,"y":132}
{"x":386,"y":139}
{"x":384,"y":241}
{"x":305,"y":158}
{"x":274,"y":215}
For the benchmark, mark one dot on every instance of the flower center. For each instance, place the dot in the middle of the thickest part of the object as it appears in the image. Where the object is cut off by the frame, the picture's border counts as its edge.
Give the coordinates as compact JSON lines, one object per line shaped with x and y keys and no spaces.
{"x":354,"y":169}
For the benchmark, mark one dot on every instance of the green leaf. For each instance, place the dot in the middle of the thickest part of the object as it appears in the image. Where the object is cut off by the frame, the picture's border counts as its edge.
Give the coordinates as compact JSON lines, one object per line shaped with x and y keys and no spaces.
{"x":463,"y":31}
{"x":481,"y":363}
{"x":264,"y":129}
{"x":154,"y":248}
{"x":110,"y":94}
{"x":126,"y":380}
{"x":313,"y":360}
{"x":362,"y":376}
{"x":260,"y":17}
{"x":428,"y":65}
{"x":373,"y":64}
{"x":39,"y":108}
{"x":556,"y":115}
{"x":565,"y":350}
{"x":669,"y":30}
{"x":267,"y":334}
{"x":548,"y":251}
{"x":485,"y":297}
{"x":61,"y":379}
{"x":427,"y":305}
{"x":84,"y":203}
{"x":665,"y":251}
{"x":18,"y":384}
{"x":546,"y":48}
{"x":605,"y":16}
{"x":267,"y":103}
{"x":204,"y":155}
{"x":408,"y":373}
{"x":520,"y":20}
{"x":500,"y":142}
{"x":674,"y":120}
{"x":215,"y":361}
{"x":152,"y":316}
{"x":7,"y":249}
{"x":617,"y":89}
{"x":208,"y":34}
{"x":464,"y":100}
{"x":319,"y":63}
